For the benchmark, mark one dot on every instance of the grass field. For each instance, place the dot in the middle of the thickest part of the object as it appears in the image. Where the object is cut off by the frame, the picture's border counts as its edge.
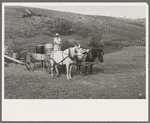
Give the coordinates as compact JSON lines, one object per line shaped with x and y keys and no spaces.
{"x":122,"y":75}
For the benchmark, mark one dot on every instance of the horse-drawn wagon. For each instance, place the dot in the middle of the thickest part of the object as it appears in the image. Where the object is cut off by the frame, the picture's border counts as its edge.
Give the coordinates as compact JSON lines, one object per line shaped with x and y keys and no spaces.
{"x":42,"y":55}
{"x":72,"y":56}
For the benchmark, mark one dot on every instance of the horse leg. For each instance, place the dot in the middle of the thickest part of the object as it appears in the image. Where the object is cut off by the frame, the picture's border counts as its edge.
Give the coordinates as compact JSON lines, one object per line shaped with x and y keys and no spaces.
{"x":77,"y":69}
{"x":67,"y":70}
{"x":56,"y":68}
{"x":85,"y":72}
{"x":70,"y":71}
{"x":52,"y":68}
{"x":80,"y":69}
{"x":91,"y":69}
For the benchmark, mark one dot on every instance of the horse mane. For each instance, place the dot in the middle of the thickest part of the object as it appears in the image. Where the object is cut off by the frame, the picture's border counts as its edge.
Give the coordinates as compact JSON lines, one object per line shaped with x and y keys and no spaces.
{"x":72,"y":51}
{"x":69,"y":51}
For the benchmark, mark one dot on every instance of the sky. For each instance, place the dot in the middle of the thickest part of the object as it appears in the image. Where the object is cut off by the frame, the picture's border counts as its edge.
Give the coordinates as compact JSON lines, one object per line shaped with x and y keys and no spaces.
{"x":127,"y":10}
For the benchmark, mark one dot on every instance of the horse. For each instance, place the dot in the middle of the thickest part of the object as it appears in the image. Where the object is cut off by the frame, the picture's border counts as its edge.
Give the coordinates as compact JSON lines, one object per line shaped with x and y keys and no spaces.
{"x":92,"y":55}
{"x":66,"y":57}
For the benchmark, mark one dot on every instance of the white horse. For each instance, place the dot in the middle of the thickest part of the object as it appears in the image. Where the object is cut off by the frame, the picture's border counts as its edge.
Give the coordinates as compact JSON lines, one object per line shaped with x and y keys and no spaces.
{"x":66,"y":57}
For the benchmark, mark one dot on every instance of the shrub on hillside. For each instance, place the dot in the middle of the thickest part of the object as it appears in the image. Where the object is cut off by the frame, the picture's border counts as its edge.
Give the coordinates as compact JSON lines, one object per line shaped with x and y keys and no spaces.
{"x":66,"y":44}
{"x":95,"y":40}
{"x":82,"y":30}
{"x":108,"y":42}
{"x":62,"y":26}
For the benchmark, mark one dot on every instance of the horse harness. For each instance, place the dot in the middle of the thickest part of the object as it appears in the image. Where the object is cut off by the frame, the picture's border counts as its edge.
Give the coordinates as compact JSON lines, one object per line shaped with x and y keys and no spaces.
{"x":96,"y":59}
{"x":69,"y":55}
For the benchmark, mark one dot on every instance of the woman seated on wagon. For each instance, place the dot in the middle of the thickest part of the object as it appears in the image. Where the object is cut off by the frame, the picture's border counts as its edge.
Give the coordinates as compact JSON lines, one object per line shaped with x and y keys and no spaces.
{"x":57,"y":42}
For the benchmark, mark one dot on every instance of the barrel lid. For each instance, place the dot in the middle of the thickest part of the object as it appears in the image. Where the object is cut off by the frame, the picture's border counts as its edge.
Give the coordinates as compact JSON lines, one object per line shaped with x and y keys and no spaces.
{"x":48,"y":43}
{"x":40,"y":45}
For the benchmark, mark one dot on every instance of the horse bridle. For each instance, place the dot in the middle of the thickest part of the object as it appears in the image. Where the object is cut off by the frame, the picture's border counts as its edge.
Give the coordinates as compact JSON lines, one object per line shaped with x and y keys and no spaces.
{"x":73,"y":58}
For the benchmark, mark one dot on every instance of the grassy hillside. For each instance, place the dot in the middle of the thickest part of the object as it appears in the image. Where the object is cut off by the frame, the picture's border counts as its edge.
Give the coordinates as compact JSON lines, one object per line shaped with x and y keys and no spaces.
{"x":24,"y":31}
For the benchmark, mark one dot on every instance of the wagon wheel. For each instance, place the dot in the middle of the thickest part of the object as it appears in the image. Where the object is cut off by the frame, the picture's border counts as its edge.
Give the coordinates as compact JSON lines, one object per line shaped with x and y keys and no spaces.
{"x":29,"y":62}
{"x":47,"y":65}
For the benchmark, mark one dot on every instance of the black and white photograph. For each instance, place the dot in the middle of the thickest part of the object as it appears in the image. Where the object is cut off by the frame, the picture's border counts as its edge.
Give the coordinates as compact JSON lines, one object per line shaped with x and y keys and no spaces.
{"x":61,"y":51}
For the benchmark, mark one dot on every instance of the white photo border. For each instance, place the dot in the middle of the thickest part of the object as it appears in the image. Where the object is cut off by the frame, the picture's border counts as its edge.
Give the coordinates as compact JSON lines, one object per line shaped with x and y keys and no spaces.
{"x":76,"y":110}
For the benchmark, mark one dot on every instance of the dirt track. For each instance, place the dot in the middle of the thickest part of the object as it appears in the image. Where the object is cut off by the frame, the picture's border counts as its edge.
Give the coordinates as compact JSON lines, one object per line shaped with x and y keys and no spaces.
{"x":121,"y":76}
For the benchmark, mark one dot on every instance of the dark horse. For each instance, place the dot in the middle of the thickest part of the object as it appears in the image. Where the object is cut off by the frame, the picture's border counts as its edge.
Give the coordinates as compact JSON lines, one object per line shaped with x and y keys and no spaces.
{"x":93,"y":55}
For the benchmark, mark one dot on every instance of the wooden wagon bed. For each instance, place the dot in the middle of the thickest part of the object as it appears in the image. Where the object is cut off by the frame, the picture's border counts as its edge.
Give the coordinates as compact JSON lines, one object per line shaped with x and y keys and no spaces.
{"x":32,"y":58}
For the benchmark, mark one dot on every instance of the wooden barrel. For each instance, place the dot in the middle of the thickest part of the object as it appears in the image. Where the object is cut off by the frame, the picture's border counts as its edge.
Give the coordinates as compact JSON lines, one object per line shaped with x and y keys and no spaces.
{"x":48,"y":48}
{"x":15,"y":55}
{"x":39,"y":49}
